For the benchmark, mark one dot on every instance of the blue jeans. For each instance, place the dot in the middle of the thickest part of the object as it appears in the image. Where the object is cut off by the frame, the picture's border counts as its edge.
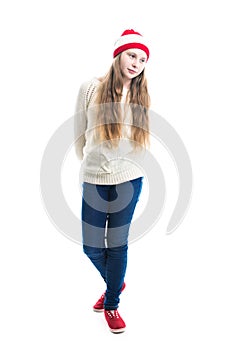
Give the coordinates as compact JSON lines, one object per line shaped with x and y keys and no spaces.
{"x":107,"y":212}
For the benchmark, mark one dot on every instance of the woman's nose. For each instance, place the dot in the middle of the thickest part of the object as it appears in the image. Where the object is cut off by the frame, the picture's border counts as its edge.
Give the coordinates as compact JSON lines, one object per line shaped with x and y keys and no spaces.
{"x":135,"y":63}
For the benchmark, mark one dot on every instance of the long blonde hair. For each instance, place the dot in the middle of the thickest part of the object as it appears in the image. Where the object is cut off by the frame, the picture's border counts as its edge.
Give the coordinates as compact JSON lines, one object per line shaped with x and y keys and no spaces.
{"x":109,"y":112}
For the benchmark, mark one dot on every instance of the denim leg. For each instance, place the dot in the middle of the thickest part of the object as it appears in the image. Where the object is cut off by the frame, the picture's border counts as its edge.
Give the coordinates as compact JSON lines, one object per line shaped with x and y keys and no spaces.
{"x":115,"y":274}
{"x":121,"y":212}
{"x":98,"y":257}
{"x":117,"y":238}
{"x":94,"y":215}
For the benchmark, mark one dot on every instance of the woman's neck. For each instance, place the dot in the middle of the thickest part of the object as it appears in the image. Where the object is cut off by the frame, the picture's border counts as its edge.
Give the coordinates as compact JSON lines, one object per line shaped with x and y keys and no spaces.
{"x":126,"y":83}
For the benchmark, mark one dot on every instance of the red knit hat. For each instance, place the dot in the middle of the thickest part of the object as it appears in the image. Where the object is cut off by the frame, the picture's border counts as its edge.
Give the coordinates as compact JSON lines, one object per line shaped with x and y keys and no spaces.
{"x":130,"y":40}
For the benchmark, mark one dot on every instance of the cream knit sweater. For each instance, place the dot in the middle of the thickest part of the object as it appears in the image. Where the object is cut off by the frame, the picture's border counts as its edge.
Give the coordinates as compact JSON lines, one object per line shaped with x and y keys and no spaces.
{"x":102,"y":164}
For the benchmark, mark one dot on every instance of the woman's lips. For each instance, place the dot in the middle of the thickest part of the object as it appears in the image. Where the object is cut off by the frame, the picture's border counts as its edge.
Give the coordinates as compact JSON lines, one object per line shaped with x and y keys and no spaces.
{"x":131,"y":71}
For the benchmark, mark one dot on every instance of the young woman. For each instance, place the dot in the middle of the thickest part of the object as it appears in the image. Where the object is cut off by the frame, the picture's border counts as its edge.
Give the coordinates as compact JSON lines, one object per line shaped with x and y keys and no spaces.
{"x":112,"y":125}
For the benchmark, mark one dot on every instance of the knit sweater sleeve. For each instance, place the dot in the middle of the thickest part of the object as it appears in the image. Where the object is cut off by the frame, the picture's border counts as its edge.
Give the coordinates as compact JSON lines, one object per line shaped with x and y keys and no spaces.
{"x":85,"y":95}
{"x":80,"y":121}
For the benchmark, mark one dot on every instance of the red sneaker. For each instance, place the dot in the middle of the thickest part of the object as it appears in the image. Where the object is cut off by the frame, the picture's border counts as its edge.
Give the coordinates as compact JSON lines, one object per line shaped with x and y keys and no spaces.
{"x":99,"y":305}
{"x":114,"y":320}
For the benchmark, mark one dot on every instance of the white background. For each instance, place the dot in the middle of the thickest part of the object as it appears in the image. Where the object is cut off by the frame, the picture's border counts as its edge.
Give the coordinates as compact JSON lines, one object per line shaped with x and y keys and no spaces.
{"x":179,"y":286}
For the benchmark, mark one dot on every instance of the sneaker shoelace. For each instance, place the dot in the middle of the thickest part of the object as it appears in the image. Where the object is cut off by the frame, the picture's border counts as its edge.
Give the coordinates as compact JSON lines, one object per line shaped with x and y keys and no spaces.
{"x":113,"y":313}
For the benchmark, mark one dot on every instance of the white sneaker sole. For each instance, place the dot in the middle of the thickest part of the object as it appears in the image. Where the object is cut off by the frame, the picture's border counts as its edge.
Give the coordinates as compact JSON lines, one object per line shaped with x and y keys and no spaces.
{"x":98,"y":310}
{"x":119,"y":330}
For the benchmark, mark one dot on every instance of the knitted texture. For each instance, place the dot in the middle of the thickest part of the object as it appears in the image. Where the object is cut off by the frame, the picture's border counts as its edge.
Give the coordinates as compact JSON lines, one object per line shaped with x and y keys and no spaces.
{"x":101,"y":164}
{"x":130,"y":40}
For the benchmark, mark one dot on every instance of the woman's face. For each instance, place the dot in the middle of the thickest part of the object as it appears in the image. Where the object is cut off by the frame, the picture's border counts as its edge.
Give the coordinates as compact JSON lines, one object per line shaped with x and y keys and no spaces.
{"x":132,"y":63}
